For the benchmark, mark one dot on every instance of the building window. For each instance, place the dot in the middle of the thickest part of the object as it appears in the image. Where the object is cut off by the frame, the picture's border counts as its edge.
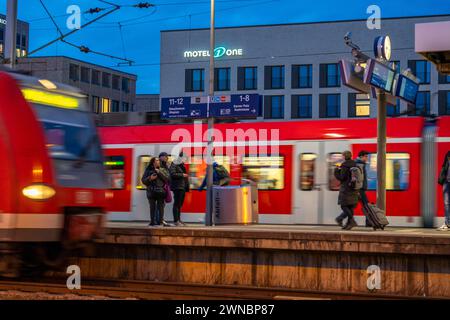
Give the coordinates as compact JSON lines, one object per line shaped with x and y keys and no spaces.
{"x":274,"y":107}
{"x":274,"y":77}
{"x":247,"y":78}
{"x":330,"y":105}
{"x":125,"y":106}
{"x":125,"y":85}
{"x":85,"y":74}
{"x":116,"y":82}
{"x":18,"y":37}
{"x":330,"y":75}
{"x":194,"y":80}
{"x":267,"y":172}
{"x":222,"y":79}
{"x":307,"y":171}
{"x":95,"y":104}
{"x":358,"y":105}
{"x":74,"y":70}
{"x":421,"y":69}
{"x":24,"y":41}
{"x":96,"y":77}
{"x":443,"y":79}
{"x":393,"y":110}
{"x":302,"y":76}
{"x":106,"y":80}
{"x":422,"y":106}
{"x":301,"y":106}
{"x":397,"y":171}
{"x":106,"y":105}
{"x":115,"y":106}
{"x":444,"y":102}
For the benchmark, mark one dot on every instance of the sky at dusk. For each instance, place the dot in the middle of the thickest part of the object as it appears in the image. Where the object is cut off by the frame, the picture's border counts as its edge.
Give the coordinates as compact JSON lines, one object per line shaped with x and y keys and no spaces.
{"x":140,"y":28}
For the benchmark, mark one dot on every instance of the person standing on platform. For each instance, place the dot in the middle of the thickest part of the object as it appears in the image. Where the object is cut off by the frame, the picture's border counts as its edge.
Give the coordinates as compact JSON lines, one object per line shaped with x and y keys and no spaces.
{"x":163,"y":159}
{"x":361,"y":162}
{"x":155,"y":178}
{"x":444,"y":180}
{"x":179,"y":185}
{"x":348,"y":197}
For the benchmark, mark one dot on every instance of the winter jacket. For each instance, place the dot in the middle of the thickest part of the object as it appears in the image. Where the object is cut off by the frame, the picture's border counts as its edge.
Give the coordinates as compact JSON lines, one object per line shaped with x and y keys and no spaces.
{"x":444,"y":171}
{"x":177,"y":180}
{"x":155,"y":186}
{"x":347,"y":195}
{"x":362,"y":165}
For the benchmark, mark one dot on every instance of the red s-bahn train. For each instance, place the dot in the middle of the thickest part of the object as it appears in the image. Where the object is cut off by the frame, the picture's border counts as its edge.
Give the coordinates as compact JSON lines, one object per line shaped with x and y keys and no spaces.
{"x":52,"y":178}
{"x":292,"y":163}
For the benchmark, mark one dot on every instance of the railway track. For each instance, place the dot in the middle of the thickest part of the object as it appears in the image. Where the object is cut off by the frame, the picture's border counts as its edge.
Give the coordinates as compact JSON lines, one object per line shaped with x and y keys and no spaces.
{"x":120,"y":289}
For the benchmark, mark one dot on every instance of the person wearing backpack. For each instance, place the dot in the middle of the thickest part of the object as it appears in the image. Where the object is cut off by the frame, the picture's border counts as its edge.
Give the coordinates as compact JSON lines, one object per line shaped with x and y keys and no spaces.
{"x":155,"y":179}
{"x":221,"y":177}
{"x":444,"y":180}
{"x":348,"y":192}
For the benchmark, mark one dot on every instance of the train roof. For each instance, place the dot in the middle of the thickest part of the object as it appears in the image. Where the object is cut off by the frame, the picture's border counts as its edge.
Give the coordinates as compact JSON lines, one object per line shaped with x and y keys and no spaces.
{"x":344,"y":129}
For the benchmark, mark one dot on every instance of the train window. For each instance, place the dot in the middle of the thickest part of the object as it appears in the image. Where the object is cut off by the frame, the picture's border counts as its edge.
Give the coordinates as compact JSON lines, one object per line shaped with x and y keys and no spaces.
{"x":197,"y":169}
{"x":115,"y":172}
{"x":267,"y":172}
{"x":143,"y":162}
{"x":307,"y":171}
{"x":334,"y":159}
{"x":397,"y":171}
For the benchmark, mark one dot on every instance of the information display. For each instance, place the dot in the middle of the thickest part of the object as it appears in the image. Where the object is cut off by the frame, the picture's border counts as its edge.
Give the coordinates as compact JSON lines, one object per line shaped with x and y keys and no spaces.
{"x":406,"y":89}
{"x":379,"y":75}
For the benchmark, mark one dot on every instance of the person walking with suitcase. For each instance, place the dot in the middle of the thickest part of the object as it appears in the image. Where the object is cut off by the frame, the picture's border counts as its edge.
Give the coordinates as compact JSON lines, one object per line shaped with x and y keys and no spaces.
{"x":444,"y":180}
{"x":348,"y":195}
{"x":179,"y":185}
{"x":361,"y":162}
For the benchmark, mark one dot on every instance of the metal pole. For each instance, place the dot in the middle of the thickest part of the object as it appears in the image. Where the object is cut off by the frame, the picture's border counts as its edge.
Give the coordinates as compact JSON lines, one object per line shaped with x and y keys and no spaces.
{"x":209,"y":218}
{"x":381,"y":150}
{"x":11,"y":32}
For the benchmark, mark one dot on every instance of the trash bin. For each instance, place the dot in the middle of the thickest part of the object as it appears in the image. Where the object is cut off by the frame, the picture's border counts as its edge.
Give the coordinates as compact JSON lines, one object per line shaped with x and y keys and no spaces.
{"x":235,"y":204}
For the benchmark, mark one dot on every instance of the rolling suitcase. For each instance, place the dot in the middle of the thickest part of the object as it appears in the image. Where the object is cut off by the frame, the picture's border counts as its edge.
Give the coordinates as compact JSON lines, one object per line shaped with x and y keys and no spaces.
{"x":375,"y":216}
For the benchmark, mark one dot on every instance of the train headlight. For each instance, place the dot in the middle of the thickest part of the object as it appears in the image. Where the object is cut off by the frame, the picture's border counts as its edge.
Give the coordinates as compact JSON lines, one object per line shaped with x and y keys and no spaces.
{"x":38,"y":192}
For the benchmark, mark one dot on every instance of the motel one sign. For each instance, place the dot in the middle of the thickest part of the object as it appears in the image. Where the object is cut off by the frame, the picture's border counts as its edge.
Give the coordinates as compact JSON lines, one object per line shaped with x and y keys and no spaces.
{"x":218,"y":53}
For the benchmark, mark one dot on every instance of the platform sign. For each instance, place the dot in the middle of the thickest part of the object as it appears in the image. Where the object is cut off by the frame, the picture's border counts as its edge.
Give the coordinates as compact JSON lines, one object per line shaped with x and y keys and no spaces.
{"x":223,"y":106}
{"x":379,"y":75}
{"x":406,"y":89}
{"x":235,"y":106}
{"x":175,"y":108}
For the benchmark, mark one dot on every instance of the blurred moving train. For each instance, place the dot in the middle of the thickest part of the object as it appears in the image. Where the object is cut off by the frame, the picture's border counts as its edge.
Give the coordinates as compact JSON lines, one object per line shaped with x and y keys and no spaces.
{"x":295,"y":181}
{"x":52,"y":178}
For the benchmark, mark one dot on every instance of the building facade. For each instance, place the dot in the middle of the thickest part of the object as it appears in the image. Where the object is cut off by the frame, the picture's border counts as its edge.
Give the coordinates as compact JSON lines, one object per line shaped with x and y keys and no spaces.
{"x":294,"y":67}
{"x":147,"y":103}
{"x":22,"y":37}
{"x":109,"y":90}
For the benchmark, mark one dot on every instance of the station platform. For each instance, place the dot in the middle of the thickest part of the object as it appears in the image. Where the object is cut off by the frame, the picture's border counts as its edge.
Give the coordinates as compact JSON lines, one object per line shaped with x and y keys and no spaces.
{"x":396,"y":262}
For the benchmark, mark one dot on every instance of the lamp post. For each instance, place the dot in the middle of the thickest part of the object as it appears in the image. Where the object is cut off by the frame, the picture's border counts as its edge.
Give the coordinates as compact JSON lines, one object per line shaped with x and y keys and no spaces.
{"x":209,"y":218}
{"x":11,"y":30}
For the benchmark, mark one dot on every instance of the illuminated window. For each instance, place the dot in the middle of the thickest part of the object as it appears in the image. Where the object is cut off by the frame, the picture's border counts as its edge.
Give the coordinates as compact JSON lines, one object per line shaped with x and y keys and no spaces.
{"x":115,"y":172}
{"x":397,"y":171}
{"x":198,"y":167}
{"x":106,"y":105}
{"x":362,"y":105}
{"x":143,"y":162}
{"x":267,"y":172}
{"x":307,"y":171}
{"x":334,"y":159}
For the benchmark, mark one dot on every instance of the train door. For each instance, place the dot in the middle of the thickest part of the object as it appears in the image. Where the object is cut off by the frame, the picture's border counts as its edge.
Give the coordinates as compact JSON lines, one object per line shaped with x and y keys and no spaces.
{"x":315,"y":187}
{"x":306,"y":182}
{"x":332,"y":154}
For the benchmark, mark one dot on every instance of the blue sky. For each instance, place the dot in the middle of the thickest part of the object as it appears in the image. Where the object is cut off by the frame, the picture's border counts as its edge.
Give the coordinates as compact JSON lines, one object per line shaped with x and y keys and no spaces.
{"x":141,"y":27}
